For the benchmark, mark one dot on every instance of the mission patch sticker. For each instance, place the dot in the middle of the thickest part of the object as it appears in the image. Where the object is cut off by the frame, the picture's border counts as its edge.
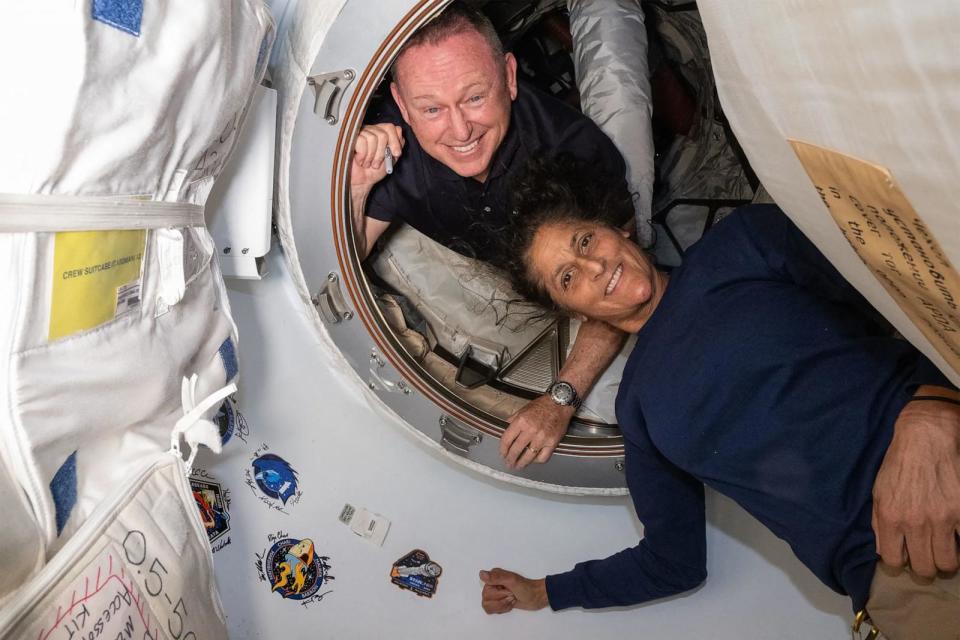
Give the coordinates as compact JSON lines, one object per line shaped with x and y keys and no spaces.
{"x":293,"y":569}
{"x":213,"y":502}
{"x":416,"y":572}
{"x":273,"y":480}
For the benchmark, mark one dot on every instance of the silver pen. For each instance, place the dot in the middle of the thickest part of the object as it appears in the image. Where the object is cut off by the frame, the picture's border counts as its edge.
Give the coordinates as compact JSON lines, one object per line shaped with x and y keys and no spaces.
{"x":388,"y":160}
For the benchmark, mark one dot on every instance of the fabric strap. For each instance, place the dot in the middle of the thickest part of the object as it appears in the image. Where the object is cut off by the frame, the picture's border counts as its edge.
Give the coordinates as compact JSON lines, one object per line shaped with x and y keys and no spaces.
{"x":30,"y":213}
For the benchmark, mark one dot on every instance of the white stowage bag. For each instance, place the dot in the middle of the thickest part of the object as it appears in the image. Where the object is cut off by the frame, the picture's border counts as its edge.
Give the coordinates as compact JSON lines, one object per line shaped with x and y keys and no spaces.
{"x":107,"y":102}
{"x":139,"y":568}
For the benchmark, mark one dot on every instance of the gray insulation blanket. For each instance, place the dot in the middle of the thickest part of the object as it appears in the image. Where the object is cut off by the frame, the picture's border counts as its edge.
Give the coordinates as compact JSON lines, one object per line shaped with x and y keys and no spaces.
{"x":610,"y":58}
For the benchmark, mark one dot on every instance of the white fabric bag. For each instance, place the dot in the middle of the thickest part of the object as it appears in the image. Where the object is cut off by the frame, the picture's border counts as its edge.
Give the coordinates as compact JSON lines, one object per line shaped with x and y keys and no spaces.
{"x":140,"y":567}
{"x":118,"y":116}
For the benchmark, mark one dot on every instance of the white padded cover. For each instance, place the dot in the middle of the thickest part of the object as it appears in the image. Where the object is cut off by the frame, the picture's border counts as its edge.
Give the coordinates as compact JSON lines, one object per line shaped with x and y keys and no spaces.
{"x":140,"y":568}
{"x":878,"y":80}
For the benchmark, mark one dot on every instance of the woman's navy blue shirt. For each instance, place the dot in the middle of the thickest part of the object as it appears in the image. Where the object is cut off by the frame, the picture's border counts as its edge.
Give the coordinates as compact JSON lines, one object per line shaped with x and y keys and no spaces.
{"x":766,"y":376}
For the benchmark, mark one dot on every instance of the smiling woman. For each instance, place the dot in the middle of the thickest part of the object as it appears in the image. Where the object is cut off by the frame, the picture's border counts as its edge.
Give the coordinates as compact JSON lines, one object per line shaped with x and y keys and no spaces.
{"x":759,"y":372}
{"x":571,"y":255}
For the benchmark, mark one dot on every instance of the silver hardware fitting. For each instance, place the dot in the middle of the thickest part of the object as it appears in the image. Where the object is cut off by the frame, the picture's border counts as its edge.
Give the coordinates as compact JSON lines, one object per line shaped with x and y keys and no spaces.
{"x":619,"y":466}
{"x":329,"y":89}
{"x":376,"y":379}
{"x":458,"y":438}
{"x":330,"y":303}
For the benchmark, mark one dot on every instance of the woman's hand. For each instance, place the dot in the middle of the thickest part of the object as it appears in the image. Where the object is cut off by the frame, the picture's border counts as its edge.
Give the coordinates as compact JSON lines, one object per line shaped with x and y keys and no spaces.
{"x":535,"y":431}
{"x":505,"y":590}
{"x":916,"y":495}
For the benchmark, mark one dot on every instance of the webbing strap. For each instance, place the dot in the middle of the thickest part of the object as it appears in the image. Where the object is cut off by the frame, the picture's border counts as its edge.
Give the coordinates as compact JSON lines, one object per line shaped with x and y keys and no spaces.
{"x":30,"y":213}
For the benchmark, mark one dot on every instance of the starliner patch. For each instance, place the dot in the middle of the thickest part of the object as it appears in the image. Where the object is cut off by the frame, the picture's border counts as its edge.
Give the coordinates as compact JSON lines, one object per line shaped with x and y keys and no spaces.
{"x":273,"y":480}
{"x":293,"y":569}
{"x":416,"y":572}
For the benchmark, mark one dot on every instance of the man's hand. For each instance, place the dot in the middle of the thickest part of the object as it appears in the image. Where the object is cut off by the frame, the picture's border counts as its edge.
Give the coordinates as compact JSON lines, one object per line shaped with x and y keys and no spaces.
{"x":505,"y":590}
{"x":534,"y":432}
{"x":916,"y":495}
{"x":368,"y":166}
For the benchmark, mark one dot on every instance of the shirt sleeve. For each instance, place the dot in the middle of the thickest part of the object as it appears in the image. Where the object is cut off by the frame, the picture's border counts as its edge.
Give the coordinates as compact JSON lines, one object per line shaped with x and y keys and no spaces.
{"x":794,"y":258}
{"x":670,"y":559}
{"x":382,"y":202}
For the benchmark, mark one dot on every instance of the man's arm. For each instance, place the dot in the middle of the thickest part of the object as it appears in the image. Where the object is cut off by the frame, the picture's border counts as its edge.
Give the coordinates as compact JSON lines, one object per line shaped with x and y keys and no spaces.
{"x":366,"y":230}
{"x":368,"y":168}
{"x":916,"y":495}
{"x":539,"y":426}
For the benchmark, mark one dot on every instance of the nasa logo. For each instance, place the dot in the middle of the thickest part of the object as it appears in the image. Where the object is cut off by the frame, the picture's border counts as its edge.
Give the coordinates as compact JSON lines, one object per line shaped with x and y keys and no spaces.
{"x":213,"y":502}
{"x":293,"y":569}
{"x":272,"y":479}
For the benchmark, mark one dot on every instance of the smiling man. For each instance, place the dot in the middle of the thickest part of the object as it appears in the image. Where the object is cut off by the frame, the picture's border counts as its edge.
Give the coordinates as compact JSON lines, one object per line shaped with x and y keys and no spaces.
{"x":460,"y":128}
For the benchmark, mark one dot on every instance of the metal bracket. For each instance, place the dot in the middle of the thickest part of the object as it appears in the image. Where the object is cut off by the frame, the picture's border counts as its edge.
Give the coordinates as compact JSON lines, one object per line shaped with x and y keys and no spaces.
{"x":329,"y":89}
{"x":330,"y":303}
{"x":458,"y":438}
{"x":472,"y":372}
{"x":377,"y":381}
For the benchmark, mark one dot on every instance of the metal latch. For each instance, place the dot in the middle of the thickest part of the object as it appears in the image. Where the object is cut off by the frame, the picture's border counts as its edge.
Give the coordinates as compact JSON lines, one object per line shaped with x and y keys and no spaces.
{"x":329,"y":89}
{"x":458,"y":438}
{"x":330,"y":303}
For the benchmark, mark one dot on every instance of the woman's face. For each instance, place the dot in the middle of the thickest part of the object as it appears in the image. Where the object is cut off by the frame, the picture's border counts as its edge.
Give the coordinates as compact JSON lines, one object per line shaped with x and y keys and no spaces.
{"x":593,"y":270}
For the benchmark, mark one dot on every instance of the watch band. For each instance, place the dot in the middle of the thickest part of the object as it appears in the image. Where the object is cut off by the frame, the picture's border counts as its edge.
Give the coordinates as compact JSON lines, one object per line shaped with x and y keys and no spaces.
{"x":564,"y":394}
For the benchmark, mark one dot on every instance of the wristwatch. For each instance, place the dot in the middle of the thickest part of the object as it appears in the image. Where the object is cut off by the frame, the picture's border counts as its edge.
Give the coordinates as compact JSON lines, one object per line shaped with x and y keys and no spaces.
{"x":564,"y":394}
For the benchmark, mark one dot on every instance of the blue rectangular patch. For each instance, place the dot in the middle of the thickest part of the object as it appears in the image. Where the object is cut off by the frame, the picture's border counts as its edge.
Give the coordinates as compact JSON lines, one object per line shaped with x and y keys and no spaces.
{"x":122,"y":14}
{"x":228,"y":354}
{"x":63,"y":487}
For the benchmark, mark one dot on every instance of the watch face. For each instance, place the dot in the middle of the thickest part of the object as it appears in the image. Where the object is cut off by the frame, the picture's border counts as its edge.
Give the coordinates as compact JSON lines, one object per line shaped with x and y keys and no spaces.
{"x":562,"y":393}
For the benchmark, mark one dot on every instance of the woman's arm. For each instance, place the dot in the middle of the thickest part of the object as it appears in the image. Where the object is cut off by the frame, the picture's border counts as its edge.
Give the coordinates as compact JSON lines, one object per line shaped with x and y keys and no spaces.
{"x":670,"y":559}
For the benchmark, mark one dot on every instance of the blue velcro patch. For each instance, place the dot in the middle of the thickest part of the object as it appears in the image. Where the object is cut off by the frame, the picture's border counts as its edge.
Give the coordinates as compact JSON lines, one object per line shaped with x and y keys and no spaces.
{"x":229,"y":356}
{"x":122,"y":14}
{"x":63,"y":487}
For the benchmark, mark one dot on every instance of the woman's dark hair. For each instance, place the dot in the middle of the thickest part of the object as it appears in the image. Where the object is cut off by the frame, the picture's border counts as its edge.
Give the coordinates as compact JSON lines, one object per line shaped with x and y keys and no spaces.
{"x":556,"y":190}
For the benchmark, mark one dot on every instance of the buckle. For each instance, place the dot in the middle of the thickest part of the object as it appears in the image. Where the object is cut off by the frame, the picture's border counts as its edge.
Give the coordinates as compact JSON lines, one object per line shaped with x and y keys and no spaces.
{"x":859,"y":620}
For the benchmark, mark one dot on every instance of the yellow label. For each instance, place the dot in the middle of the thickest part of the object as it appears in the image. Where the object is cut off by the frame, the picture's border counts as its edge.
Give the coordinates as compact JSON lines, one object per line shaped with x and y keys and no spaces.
{"x":887,"y":233}
{"x":96,"y":277}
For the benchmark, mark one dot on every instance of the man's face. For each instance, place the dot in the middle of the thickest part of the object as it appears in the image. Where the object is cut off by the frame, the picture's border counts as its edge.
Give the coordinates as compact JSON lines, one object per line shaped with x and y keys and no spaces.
{"x":456,"y":97}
